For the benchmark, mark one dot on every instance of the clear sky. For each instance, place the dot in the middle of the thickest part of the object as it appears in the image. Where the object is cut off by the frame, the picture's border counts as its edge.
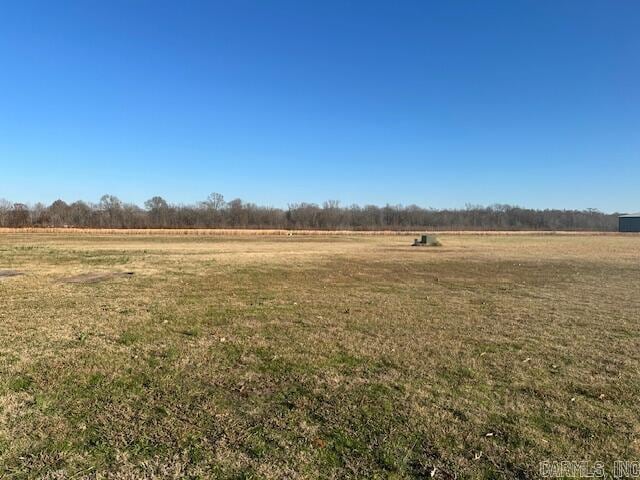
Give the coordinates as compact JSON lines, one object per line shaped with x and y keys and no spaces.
{"x":438,"y":103}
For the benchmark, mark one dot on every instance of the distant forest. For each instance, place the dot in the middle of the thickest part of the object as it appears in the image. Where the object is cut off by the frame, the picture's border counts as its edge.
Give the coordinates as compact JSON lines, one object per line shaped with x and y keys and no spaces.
{"x":215,"y":212}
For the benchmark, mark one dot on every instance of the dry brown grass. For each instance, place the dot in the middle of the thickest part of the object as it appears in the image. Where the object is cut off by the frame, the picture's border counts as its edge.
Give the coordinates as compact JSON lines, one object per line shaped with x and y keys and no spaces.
{"x":317,"y":357}
{"x":272,"y":232}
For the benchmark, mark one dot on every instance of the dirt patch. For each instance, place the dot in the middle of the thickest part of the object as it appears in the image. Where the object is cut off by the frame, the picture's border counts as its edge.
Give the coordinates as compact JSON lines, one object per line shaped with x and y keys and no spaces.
{"x":9,"y":273}
{"x":94,"y":277}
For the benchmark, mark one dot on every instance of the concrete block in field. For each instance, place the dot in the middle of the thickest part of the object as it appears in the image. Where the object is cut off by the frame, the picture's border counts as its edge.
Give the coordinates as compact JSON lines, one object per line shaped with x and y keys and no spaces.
{"x":426,"y":240}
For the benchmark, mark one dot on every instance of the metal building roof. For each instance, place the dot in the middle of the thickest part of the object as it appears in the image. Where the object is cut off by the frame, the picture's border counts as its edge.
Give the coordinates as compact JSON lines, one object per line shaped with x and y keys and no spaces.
{"x":630,"y":215}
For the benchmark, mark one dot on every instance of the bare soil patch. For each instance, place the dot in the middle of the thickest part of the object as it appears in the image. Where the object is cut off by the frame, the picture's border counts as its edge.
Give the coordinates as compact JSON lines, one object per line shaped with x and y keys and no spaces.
{"x":9,"y":273}
{"x":94,"y":277}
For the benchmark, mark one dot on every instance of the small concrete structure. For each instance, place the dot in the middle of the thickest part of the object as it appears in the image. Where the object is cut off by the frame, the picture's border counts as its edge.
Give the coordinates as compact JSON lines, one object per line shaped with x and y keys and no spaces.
{"x":426,"y":240}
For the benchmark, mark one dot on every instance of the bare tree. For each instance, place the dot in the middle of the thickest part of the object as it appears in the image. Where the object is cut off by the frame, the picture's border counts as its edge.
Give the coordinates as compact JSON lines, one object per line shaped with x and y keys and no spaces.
{"x":112,"y":208}
{"x":215,"y":212}
{"x":159,"y":210}
{"x":215,"y":201}
{"x":81,"y":214}
{"x":19,"y":216}
{"x":214,"y":206}
{"x":58,"y":213}
{"x":5,"y":209}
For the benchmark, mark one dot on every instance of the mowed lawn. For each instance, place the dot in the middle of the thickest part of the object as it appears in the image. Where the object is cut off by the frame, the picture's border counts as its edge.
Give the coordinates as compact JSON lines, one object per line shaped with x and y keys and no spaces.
{"x":316,"y":357}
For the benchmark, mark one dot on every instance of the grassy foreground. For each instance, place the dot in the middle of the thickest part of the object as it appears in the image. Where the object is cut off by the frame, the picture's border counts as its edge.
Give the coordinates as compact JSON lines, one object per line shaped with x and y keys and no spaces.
{"x":316,"y":357}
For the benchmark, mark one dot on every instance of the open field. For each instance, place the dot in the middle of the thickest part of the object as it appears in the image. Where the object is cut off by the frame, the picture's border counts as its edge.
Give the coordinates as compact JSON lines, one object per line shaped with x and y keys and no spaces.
{"x":171,"y":356}
{"x":241,"y":232}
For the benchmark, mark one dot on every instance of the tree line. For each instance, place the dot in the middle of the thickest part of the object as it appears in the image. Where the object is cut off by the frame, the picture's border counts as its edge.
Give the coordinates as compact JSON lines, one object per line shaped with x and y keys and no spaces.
{"x":216,"y":212}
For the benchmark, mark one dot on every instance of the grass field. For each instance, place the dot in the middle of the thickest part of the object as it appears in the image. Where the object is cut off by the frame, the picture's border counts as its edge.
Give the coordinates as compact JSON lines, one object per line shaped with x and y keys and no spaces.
{"x":316,"y":357}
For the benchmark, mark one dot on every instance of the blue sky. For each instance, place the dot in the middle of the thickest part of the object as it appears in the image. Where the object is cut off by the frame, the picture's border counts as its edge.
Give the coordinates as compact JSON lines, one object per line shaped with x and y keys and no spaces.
{"x":535,"y":103}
